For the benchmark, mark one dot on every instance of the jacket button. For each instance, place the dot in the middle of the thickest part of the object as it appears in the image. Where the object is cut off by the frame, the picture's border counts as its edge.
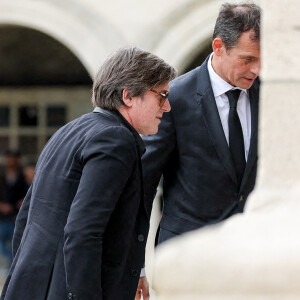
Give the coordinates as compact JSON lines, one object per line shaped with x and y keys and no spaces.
{"x":134,"y":273}
{"x":70,"y":296}
{"x":241,"y":198}
{"x":141,"y":238}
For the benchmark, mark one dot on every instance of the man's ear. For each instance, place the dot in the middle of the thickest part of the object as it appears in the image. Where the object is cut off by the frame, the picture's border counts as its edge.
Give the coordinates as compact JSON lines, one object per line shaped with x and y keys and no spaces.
{"x":126,"y":99}
{"x":218,"y":46}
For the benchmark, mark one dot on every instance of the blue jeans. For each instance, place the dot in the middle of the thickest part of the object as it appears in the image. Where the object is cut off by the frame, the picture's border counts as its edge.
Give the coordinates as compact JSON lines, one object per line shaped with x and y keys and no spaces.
{"x":6,"y":234}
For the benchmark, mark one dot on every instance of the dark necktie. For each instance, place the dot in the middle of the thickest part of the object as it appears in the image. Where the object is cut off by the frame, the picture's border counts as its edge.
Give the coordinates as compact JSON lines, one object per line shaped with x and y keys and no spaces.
{"x":236,"y":139}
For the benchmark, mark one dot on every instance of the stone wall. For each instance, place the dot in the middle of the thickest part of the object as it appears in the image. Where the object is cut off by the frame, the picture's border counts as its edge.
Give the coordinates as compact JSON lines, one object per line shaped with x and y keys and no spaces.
{"x":174,"y":30}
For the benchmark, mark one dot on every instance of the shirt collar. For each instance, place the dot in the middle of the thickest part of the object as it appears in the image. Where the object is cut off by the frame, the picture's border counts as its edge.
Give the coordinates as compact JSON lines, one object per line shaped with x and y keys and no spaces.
{"x":218,"y":84}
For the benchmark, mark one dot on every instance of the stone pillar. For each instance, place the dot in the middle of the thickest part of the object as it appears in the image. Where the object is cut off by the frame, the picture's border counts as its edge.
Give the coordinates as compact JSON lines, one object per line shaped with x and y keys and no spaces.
{"x":255,"y":255}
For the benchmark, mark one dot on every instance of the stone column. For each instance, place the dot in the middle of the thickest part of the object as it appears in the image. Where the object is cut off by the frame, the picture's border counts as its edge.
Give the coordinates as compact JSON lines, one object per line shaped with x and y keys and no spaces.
{"x":255,"y":255}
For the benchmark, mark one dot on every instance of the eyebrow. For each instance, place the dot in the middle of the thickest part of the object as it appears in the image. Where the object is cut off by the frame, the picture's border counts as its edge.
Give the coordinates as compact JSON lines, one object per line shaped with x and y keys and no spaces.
{"x":248,"y":56}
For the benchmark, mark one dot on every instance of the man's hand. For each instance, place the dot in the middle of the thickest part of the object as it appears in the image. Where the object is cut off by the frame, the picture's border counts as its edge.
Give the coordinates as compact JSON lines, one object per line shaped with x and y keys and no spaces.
{"x":142,"y":289}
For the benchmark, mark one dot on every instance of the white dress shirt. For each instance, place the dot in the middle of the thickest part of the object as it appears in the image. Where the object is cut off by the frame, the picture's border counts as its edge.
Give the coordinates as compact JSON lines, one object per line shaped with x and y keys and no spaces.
{"x":220,"y":87}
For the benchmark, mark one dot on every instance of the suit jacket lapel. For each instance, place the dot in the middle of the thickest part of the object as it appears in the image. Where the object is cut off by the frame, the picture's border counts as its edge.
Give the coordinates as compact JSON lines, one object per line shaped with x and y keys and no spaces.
{"x":252,"y":156}
{"x":206,"y":100}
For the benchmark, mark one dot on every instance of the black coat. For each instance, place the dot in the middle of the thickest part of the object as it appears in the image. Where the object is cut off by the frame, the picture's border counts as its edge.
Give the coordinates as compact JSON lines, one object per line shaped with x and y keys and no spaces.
{"x":200,"y":186}
{"x":82,"y":229}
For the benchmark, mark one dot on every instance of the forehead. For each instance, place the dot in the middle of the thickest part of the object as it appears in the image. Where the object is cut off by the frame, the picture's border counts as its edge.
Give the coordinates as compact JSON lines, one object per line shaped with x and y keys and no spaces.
{"x":247,"y":46}
{"x":162,"y":88}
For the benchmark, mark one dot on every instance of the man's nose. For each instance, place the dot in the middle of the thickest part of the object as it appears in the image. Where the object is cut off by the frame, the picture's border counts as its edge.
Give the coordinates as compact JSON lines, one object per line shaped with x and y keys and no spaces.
{"x":255,"y":68}
{"x":166,"y":106}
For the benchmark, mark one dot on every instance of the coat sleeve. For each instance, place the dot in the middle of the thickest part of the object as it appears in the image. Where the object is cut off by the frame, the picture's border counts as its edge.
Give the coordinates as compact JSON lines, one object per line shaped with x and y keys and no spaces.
{"x":108,"y":160}
{"x":159,"y":149}
{"x":21,"y":222}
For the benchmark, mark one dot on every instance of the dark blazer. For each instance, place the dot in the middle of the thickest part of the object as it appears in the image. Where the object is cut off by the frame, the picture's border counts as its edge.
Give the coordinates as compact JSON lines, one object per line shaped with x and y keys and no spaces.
{"x":82,"y":229}
{"x":199,"y":180}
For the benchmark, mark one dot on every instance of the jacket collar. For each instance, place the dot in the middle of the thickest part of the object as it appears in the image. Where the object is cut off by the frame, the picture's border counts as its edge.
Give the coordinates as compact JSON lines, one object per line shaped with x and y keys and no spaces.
{"x":118,"y":117}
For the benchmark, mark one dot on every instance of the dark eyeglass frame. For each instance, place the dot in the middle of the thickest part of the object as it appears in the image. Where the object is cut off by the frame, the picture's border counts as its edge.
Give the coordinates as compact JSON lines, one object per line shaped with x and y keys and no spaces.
{"x":164,"y":97}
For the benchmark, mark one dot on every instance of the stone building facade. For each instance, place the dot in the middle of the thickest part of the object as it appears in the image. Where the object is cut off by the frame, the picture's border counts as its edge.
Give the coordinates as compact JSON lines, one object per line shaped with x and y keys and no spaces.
{"x":50,"y":51}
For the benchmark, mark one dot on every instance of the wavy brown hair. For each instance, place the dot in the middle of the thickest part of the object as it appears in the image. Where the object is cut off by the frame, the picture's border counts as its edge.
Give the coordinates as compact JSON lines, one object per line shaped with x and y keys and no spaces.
{"x":131,"y":68}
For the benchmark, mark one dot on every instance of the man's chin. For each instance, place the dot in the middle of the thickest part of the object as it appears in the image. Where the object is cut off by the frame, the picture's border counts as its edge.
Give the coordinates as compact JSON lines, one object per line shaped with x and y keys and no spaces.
{"x":151,"y":131}
{"x":246,"y":83}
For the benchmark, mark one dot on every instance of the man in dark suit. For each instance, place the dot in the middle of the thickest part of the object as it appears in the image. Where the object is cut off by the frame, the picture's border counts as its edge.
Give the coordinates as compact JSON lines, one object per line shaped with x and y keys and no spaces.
{"x":82,"y":229}
{"x":205,"y":148}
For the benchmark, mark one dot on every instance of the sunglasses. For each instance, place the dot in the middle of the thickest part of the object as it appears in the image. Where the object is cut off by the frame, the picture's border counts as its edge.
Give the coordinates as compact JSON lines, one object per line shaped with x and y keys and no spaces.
{"x":164,"y":97}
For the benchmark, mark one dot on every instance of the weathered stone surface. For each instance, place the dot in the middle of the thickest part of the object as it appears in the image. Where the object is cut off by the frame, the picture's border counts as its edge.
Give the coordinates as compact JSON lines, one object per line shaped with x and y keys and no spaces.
{"x":281,"y":37}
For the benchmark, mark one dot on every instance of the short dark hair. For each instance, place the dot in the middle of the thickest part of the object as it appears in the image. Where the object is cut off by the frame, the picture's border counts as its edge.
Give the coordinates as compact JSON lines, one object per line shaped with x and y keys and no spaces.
{"x":235,"y":19}
{"x":131,"y":68}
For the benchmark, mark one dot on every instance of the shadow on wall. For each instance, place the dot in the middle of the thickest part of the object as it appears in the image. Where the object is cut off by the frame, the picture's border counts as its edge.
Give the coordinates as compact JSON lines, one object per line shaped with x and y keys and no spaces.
{"x":200,"y":58}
